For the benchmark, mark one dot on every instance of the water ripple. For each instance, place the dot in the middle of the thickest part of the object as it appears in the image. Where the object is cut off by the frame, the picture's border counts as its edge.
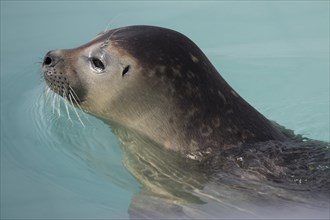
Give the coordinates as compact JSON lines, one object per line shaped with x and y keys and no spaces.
{"x":92,"y":144}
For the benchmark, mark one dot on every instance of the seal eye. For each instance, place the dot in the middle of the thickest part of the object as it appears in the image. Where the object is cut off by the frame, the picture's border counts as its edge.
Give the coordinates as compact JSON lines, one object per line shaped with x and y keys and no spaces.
{"x":97,"y":64}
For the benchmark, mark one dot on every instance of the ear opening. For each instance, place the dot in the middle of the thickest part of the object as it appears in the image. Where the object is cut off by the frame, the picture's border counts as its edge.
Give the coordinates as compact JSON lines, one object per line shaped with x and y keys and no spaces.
{"x":125,"y":70}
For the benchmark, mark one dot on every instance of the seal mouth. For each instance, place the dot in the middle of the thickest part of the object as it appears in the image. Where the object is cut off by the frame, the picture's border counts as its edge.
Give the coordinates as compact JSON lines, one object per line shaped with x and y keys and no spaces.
{"x":59,"y":83}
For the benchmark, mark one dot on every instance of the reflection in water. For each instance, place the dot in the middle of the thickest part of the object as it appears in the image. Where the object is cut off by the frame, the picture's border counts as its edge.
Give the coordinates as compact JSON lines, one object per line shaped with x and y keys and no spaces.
{"x":252,"y":181}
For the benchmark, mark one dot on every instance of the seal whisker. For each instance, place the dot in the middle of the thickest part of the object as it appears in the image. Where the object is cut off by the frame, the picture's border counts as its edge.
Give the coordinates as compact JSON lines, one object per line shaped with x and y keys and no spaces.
{"x":41,"y":78}
{"x":75,"y":96}
{"x":75,"y":99}
{"x":58,"y":105}
{"x":45,"y":90}
{"x":47,"y":94}
{"x":77,"y":114}
{"x":66,"y":104}
{"x":110,"y":22}
{"x":53,"y":103}
{"x":39,"y":63}
{"x":106,"y":42}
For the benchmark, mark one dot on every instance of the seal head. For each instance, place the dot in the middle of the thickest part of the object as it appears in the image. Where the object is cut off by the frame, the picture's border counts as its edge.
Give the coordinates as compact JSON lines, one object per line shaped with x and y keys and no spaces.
{"x":157,"y":82}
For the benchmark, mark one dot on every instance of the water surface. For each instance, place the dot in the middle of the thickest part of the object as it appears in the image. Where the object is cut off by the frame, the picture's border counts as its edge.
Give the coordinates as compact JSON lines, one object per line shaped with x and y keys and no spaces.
{"x":275,"y":54}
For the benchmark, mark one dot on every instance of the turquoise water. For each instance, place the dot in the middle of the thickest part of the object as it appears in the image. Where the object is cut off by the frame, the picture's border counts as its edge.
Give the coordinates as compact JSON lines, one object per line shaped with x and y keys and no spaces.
{"x":275,"y":54}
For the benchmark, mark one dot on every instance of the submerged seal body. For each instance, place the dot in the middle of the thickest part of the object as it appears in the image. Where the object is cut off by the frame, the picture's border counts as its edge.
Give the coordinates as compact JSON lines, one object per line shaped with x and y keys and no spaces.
{"x":157,"y":82}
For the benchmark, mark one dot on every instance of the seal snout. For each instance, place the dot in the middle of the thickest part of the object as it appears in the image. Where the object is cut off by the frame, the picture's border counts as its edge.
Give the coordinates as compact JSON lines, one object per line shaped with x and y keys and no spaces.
{"x":60,"y":78}
{"x":51,"y":59}
{"x":53,"y":74}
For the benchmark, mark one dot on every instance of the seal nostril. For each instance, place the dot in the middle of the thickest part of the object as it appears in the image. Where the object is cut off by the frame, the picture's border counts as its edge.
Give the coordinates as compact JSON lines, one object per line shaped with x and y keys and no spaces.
{"x":47,"y":60}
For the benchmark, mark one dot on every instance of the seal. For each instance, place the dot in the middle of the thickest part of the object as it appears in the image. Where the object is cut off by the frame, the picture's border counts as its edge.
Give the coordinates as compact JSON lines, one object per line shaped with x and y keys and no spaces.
{"x":161,"y":95}
{"x":157,"y":82}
